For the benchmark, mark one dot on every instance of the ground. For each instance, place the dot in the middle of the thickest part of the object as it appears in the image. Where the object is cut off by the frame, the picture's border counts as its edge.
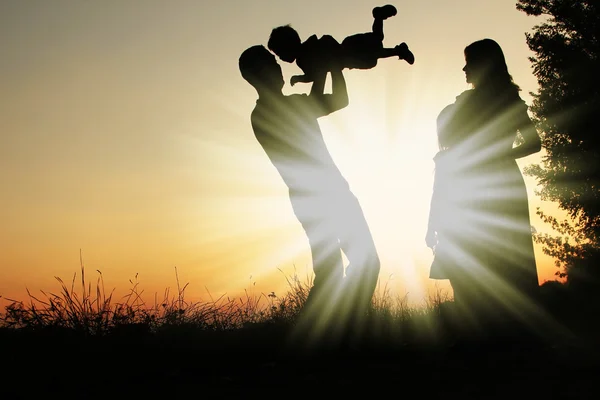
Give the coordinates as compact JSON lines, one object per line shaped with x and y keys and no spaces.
{"x":260,"y":361}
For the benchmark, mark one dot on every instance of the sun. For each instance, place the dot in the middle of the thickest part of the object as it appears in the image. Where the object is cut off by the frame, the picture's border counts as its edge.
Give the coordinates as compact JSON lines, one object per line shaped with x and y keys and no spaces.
{"x":384,"y":147}
{"x":387,"y":158}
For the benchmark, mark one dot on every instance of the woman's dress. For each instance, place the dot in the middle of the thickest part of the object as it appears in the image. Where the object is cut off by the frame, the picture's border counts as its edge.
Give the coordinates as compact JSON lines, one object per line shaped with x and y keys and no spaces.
{"x":481,"y":204}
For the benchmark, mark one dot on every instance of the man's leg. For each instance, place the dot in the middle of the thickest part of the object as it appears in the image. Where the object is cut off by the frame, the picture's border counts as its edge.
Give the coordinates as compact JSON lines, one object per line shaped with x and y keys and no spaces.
{"x":324,"y":245}
{"x":357,"y":243}
{"x":318,"y":322}
{"x":327,"y":266}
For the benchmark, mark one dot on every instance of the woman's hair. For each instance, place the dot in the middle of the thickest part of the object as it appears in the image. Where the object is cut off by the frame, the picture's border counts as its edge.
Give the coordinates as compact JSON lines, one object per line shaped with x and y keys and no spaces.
{"x":487,"y":57}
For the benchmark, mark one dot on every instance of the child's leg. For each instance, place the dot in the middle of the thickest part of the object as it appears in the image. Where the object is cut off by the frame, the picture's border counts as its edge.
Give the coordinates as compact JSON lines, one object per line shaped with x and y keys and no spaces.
{"x":379,"y":14}
{"x":378,"y":28}
{"x":387,"y":52}
{"x":402,"y":51}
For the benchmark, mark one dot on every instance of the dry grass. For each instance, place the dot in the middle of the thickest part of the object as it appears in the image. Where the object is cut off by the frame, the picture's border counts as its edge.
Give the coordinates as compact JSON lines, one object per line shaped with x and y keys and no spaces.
{"x":175,"y":347}
{"x":91,"y":310}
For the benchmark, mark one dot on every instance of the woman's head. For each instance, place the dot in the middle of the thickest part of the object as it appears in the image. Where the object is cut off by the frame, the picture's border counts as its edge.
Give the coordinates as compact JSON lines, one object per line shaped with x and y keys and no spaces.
{"x":485,"y":65}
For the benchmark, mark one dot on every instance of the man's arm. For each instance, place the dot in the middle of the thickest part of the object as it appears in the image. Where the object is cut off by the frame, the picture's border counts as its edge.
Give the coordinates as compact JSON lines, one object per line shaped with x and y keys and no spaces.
{"x":338,"y":98}
{"x":328,"y":103}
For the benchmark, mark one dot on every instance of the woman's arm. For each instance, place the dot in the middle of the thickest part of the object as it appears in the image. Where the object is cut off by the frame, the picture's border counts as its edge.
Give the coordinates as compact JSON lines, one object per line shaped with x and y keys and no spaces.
{"x":432,"y":223}
{"x":531,"y":139}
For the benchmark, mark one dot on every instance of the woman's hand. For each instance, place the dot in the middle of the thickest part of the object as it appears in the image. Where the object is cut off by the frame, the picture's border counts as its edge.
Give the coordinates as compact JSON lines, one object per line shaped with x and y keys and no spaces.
{"x":532,"y":142}
{"x":431,"y":238}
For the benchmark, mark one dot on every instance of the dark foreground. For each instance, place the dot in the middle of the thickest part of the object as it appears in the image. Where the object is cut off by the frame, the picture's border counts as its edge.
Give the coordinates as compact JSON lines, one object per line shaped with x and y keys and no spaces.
{"x":262,"y":361}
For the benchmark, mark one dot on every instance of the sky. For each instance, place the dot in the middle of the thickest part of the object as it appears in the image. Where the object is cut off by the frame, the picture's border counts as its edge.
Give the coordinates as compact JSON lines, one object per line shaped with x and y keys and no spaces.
{"x":125,"y":137}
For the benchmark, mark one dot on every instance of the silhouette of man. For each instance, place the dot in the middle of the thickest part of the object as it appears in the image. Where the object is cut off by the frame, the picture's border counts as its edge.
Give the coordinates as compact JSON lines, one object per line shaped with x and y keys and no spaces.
{"x":287,"y":128}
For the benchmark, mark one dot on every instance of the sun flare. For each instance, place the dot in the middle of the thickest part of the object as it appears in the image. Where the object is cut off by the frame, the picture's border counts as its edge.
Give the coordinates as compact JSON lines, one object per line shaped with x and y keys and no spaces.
{"x":386,"y":157}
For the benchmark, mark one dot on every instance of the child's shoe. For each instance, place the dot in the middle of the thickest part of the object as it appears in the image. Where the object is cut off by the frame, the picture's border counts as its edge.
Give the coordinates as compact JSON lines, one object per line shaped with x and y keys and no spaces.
{"x":404,"y":53}
{"x":384,"y":12}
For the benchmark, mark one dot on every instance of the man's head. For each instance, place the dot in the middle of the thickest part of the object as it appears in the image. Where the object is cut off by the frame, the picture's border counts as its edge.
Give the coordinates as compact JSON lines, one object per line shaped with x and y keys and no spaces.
{"x":260,"y":68}
{"x":285,"y":42}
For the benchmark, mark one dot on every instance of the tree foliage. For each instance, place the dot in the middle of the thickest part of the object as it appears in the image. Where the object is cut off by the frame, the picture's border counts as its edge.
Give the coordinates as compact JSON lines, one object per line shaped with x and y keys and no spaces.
{"x":566,"y":110}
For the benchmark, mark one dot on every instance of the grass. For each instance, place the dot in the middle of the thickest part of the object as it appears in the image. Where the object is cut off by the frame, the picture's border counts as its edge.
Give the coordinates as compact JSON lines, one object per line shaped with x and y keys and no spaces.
{"x":83,"y":342}
{"x":89,"y":310}
{"x":93,"y":311}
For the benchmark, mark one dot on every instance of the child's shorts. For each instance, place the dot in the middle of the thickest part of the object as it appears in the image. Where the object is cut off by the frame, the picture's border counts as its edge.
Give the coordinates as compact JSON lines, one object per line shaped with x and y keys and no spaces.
{"x":361,"y":50}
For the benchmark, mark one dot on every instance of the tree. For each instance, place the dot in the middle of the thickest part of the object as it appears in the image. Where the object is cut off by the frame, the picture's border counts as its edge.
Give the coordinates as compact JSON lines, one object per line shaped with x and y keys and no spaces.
{"x":566,"y":110}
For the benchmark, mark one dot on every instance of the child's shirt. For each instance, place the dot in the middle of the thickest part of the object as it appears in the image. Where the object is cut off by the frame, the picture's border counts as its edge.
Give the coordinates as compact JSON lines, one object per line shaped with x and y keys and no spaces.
{"x":316,"y":52}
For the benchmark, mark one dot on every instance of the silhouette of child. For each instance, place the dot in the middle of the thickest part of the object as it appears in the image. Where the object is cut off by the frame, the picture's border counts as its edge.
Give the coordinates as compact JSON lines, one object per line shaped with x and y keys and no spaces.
{"x":358,"y":51}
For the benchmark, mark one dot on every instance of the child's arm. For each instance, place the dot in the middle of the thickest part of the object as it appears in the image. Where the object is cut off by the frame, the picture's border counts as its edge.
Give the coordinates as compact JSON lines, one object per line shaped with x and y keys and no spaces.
{"x":300,"y":78}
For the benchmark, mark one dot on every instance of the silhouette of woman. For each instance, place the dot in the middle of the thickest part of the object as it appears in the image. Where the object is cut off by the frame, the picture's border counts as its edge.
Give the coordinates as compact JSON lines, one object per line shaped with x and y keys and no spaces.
{"x":479,"y":226}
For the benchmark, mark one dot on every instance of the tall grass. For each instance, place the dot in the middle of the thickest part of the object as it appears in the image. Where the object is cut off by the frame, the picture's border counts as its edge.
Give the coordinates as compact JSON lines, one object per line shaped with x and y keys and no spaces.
{"x":85,"y":307}
{"x":91,"y":310}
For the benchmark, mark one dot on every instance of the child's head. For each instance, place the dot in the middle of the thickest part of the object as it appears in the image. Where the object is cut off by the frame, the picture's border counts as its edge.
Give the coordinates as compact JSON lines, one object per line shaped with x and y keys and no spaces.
{"x":260,"y":68}
{"x":285,"y":42}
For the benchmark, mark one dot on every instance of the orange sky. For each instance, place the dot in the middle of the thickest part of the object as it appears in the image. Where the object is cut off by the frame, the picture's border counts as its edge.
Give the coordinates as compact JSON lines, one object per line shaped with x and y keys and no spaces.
{"x":125,"y":133}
